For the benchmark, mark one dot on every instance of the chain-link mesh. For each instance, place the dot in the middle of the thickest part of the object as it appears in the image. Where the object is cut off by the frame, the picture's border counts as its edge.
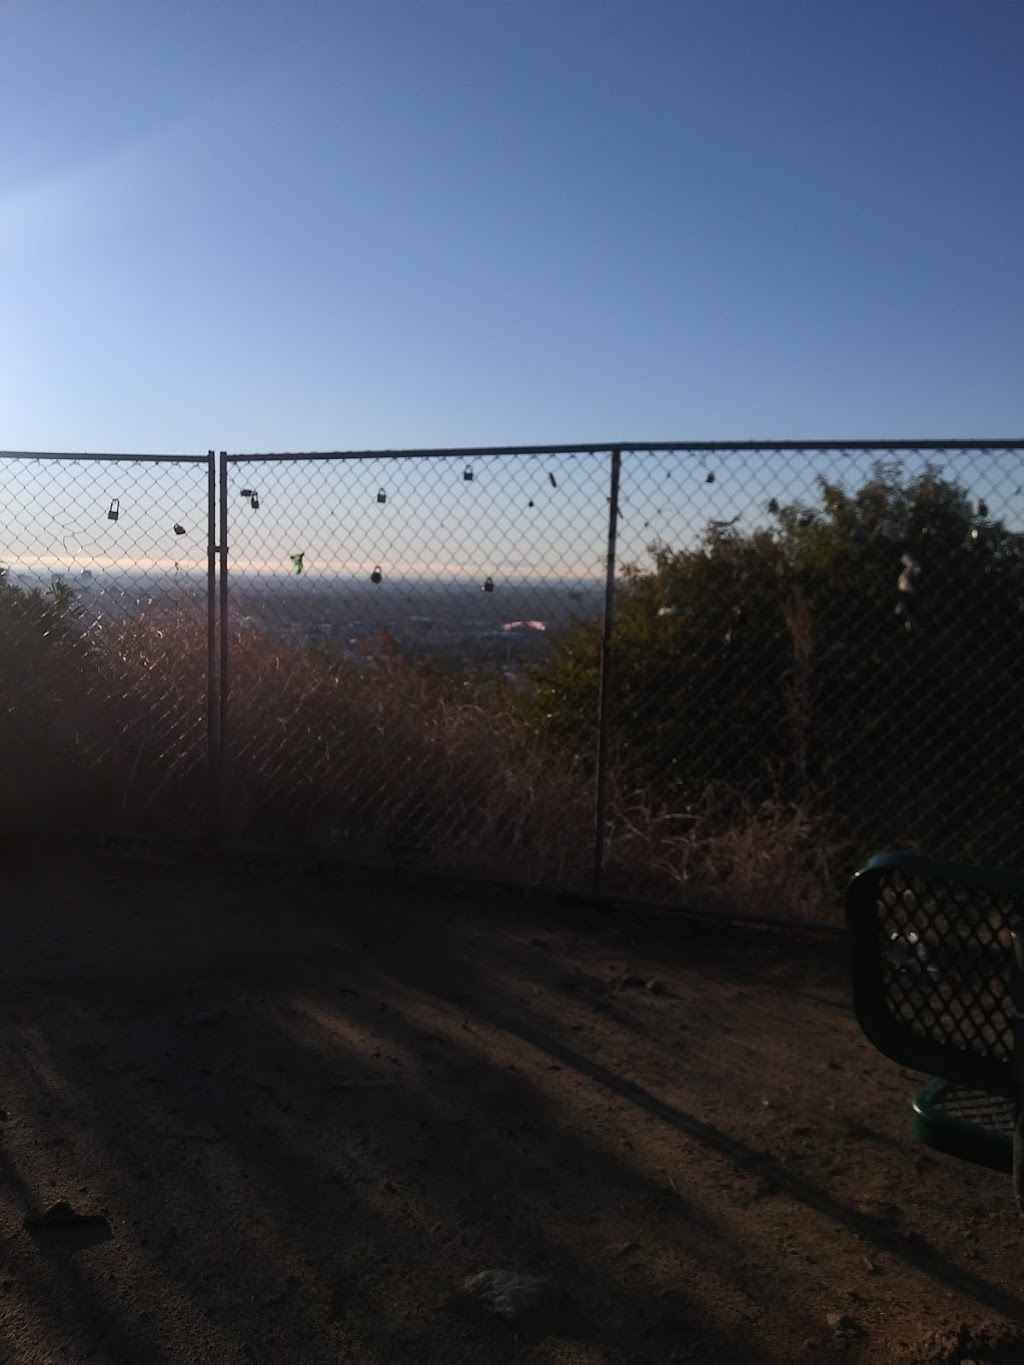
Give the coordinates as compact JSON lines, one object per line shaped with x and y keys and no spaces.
{"x":103,"y":643}
{"x":814,"y":655}
{"x":387,"y":617}
{"x":817,"y":655}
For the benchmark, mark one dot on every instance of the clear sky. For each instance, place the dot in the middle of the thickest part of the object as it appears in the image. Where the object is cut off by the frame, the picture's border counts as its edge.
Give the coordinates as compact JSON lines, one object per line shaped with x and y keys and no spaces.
{"x":394,"y":223}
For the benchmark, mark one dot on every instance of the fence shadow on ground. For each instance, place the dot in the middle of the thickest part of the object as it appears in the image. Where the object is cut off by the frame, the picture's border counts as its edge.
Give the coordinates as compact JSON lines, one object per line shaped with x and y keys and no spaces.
{"x":310,"y":1112}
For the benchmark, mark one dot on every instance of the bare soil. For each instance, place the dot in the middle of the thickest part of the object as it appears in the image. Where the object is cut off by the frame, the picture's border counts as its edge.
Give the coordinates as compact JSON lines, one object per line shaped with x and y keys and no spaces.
{"x":302,"y":1110}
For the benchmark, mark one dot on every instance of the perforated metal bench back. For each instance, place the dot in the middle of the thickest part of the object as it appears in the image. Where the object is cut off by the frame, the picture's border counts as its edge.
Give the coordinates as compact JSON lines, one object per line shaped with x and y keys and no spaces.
{"x":931,"y":952}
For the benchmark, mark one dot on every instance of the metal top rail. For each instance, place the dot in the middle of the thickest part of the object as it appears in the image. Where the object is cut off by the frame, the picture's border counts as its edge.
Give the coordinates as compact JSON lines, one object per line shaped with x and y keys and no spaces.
{"x":577,"y":448}
{"x":595,"y":447}
{"x":73,"y":455}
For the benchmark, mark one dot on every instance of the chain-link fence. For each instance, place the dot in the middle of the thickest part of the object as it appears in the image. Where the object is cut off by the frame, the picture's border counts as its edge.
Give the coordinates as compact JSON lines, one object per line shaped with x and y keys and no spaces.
{"x":104,"y":643}
{"x":811,"y":653}
{"x":816,"y":656}
{"x":718,"y":673}
{"x":387,"y":615}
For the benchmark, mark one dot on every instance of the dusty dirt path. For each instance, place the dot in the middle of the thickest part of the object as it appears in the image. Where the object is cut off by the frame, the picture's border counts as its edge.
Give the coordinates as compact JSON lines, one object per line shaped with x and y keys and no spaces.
{"x":307,"y":1110}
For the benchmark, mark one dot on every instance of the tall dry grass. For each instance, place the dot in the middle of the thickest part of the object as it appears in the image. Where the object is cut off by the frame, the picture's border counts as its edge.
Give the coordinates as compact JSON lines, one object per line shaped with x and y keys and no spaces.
{"x":384,"y":762}
{"x":728,"y":853}
{"x":395,"y":762}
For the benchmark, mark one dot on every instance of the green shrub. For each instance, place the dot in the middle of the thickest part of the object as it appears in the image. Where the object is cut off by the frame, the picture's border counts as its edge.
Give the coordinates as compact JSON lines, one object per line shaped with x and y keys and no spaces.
{"x":784,"y":661}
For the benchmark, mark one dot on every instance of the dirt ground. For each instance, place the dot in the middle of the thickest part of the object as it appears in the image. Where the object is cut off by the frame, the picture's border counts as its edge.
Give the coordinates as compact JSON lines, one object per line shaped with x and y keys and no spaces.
{"x":302,"y":1110}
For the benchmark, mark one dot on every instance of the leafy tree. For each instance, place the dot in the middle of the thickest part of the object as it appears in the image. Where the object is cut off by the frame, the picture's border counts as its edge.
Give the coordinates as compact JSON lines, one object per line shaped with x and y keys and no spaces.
{"x":785,"y":660}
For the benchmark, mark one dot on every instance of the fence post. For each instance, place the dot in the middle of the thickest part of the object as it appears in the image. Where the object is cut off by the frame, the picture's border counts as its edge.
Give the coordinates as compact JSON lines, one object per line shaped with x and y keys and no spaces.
{"x":223,"y":776}
{"x":604,"y":679}
{"x":212,"y":735}
{"x":1017,"y":1003}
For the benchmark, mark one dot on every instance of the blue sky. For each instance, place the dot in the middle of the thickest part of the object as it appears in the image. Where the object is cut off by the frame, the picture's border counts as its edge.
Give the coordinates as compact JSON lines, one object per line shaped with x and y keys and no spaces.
{"x":396,"y":223}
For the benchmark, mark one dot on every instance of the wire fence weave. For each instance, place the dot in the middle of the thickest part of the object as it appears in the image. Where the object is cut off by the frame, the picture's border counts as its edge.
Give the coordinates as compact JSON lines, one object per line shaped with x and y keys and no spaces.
{"x":385,"y":617}
{"x":816,"y":658}
{"x":812,"y":657}
{"x":103,"y":643}
{"x":808,"y":653}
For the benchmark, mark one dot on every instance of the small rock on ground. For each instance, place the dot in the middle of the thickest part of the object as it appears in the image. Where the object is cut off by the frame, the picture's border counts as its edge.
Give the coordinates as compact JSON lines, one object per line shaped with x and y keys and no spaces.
{"x":510,"y":1295}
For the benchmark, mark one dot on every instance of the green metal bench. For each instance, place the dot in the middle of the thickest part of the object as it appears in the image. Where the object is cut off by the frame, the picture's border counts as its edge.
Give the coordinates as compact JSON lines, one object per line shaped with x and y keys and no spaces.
{"x":937,"y":959}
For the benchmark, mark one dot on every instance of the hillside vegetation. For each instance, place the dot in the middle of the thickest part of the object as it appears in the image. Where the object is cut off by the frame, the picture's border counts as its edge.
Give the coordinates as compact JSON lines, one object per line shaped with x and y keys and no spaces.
{"x":782,"y":702}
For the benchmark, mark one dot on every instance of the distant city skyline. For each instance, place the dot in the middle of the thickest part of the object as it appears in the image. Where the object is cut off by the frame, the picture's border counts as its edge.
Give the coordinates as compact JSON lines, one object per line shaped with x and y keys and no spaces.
{"x":517,"y":516}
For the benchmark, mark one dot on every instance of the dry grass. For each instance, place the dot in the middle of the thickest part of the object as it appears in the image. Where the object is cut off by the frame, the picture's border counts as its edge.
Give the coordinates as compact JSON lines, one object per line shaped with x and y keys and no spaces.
{"x":395,"y":762}
{"x":728,"y":852}
{"x":386,"y":763}
{"x":107,"y":729}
